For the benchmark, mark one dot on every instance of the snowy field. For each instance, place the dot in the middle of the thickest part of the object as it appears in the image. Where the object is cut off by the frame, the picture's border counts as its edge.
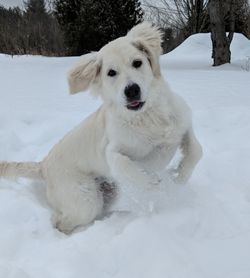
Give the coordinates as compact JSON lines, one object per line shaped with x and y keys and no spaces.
{"x":203,"y":228}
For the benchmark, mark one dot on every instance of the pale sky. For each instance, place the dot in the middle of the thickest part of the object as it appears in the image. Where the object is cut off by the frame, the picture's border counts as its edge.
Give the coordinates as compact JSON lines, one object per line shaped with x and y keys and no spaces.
{"x":11,"y":3}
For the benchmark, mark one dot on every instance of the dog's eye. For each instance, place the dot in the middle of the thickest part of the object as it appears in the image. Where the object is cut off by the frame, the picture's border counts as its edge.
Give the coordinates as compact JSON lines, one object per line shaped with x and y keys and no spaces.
{"x":112,"y":72}
{"x":137,"y":63}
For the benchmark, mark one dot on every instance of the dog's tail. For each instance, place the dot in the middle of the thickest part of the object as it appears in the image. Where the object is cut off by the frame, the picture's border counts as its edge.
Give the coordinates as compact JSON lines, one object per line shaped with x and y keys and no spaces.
{"x":12,"y":170}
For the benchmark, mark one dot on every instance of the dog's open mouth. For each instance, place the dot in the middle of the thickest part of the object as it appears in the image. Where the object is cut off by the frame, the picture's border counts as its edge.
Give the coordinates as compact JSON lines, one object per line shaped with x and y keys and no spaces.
{"x":135,"y":105}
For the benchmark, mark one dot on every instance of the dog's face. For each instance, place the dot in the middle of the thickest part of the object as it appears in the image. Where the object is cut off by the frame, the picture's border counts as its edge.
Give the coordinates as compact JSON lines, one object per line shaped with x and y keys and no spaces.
{"x":122,"y":72}
{"x":125,"y":74}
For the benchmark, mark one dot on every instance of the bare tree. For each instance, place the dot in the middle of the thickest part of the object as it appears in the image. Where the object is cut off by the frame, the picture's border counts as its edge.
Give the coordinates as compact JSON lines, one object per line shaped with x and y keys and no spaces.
{"x":178,"y":18}
{"x":30,"y":31}
{"x":248,"y":26}
{"x":218,"y":10}
{"x":226,"y":16}
{"x":179,"y":14}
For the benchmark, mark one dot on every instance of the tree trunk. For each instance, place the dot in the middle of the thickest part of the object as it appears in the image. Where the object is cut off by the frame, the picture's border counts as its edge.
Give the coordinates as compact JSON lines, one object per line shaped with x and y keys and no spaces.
{"x":221,"y":44}
{"x":199,"y":4}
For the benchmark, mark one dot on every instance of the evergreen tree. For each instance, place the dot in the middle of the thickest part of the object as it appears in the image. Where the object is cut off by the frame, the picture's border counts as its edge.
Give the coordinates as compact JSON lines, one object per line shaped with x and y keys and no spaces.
{"x":37,"y":7}
{"x":88,"y":25}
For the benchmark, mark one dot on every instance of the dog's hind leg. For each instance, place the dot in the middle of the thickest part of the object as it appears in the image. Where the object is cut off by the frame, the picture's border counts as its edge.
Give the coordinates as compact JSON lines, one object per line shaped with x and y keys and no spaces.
{"x":75,"y":203}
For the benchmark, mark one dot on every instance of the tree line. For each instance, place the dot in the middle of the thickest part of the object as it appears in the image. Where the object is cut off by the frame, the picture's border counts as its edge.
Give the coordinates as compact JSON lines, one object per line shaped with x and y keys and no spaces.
{"x":33,"y":30}
{"x":75,"y":27}
{"x":65,"y":27}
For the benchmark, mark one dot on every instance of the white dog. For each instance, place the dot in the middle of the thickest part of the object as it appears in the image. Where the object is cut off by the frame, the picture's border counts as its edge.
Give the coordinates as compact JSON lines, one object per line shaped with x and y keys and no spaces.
{"x":129,"y":139}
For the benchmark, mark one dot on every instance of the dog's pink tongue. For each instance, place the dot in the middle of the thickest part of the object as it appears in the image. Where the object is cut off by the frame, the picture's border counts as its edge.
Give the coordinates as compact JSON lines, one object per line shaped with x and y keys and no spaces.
{"x":134,"y":103}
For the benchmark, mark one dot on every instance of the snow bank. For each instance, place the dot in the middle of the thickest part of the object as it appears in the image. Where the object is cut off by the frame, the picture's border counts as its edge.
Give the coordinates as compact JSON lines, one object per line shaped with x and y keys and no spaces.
{"x":201,"y":231}
{"x":195,"y":53}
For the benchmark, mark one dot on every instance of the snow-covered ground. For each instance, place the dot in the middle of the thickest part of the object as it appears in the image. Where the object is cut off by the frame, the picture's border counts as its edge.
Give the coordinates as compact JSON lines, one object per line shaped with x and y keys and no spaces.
{"x":203,"y":228}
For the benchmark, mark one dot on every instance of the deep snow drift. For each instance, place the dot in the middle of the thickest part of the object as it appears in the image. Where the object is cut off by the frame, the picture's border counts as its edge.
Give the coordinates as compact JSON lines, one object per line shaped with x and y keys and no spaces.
{"x":203,"y":229}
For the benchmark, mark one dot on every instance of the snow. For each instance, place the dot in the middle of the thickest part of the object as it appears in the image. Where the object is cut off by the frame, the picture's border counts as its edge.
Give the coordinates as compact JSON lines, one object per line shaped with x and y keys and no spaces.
{"x":200,"y":230}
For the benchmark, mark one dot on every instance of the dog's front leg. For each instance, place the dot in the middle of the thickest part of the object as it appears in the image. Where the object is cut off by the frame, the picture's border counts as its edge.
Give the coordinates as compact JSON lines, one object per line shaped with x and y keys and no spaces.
{"x":126,"y":170}
{"x":158,"y":159}
{"x":192,"y":153}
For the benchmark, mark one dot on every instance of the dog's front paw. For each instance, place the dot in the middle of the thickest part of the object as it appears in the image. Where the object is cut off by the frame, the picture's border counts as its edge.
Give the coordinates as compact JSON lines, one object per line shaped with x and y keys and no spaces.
{"x":177,"y":177}
{"x":181,"y":179}
{"x":153,"y":181}
{"x":172,"y":174}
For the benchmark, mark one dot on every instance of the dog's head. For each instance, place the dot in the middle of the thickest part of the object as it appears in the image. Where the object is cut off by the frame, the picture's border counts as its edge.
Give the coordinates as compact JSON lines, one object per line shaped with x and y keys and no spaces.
{"x":123,"y":71}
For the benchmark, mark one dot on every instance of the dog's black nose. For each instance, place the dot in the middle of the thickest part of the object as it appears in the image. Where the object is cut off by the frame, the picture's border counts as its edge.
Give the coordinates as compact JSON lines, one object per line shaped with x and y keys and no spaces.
{"x":133,"y":92}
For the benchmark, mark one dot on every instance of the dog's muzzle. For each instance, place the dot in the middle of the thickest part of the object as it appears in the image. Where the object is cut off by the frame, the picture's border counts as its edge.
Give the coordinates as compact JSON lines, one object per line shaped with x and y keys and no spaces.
{"x":133,"y":97}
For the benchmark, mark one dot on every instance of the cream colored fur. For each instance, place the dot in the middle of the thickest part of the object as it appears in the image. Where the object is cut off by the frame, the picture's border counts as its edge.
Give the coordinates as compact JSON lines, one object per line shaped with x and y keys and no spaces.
{"x":115,"y":143}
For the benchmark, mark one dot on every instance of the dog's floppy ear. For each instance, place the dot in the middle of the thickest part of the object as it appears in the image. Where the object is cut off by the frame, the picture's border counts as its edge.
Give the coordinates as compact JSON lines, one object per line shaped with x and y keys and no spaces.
{"x":148,"y":38}
{"x":83,"y":73}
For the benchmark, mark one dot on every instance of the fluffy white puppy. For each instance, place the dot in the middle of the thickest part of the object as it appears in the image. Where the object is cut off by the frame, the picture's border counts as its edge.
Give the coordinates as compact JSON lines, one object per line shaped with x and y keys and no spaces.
{"x":129,"y":139}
